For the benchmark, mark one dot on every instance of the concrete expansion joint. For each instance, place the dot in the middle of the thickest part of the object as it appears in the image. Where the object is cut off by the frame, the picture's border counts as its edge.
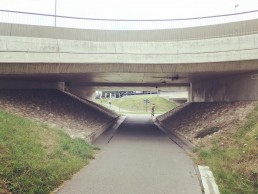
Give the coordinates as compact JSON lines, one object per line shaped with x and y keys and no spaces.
{"x":110,"y":139}
{"x":108,"y":133}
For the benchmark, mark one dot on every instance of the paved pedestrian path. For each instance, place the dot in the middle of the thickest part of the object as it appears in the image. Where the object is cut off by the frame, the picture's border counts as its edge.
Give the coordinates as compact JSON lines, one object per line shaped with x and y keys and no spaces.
{"x":137,"y":159}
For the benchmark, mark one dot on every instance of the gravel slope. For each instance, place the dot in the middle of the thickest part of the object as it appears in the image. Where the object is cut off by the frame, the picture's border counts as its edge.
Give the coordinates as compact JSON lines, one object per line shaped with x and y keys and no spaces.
{"x":194,"y":118}
{"x":56,"y":109}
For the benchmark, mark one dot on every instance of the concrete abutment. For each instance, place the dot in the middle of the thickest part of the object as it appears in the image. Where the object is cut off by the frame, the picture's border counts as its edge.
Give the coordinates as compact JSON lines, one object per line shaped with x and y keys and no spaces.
{"x":241,"y":87}
{"x":216,"y":62}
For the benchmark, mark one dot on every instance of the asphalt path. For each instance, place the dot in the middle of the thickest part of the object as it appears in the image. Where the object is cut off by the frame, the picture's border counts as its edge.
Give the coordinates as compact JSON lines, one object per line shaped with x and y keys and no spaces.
{"x":137,"y":158}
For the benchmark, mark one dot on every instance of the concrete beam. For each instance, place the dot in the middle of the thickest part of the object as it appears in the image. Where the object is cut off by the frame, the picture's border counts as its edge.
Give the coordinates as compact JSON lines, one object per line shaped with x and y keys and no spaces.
{"x":66,"y":68}
{"x":117,"y":85}
{"x":23,"y":84}
{"x":135,"y":88}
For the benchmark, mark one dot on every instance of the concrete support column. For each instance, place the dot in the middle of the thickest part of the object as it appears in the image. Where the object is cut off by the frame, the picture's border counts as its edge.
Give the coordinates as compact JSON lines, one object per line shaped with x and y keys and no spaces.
{"x":190,"y":93}
{"x":231,"y":88}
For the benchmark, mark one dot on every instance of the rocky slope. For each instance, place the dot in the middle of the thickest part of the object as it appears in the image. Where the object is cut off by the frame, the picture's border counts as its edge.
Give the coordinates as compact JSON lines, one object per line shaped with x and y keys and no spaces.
{"x":199,"y":121}
{"x":55,"y":109}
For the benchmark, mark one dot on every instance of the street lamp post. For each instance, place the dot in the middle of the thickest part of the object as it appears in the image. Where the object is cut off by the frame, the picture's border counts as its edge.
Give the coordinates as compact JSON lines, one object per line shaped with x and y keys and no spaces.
{"x":146,"y":101}
{"x":236,"y":8}
{"x":55,"y":12}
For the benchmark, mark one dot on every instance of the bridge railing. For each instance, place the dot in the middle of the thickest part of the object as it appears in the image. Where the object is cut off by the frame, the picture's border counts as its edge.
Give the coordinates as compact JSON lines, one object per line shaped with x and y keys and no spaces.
{"x":7,"y":16}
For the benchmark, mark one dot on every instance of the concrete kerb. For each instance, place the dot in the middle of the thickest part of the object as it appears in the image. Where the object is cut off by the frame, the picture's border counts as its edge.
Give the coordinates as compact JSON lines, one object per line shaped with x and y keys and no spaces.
{"x":208,"y":181}
{"x":173,"y":111}
{"x":92,"y":104}
{"x":94,"y":135}
{"x":175,"y":137}
{"x":205,"y":176}
{"x":183,"y":143}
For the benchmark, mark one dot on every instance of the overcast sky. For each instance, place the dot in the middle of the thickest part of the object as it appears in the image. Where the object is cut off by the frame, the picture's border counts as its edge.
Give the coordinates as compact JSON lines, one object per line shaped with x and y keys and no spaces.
{"x":132,"y":9}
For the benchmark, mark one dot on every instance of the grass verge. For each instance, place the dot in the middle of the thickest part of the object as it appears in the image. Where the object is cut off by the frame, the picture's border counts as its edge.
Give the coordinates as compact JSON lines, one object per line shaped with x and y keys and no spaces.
{"x":36,"y":159}
{"x":233,"y":158}
{"x":135,"y":104}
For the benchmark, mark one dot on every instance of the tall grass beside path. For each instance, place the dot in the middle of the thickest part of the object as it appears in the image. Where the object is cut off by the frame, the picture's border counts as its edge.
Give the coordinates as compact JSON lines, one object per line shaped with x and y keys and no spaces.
{"x":35,"y":158}
{"x":233,"y":157}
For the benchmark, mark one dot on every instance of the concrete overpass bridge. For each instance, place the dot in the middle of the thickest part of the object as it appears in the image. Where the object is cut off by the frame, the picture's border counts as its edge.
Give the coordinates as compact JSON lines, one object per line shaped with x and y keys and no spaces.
{"x":217,"y":62}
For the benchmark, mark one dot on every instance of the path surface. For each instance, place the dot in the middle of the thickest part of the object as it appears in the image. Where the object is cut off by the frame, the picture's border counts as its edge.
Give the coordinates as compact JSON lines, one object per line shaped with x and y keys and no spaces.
{"x":137,"y":159}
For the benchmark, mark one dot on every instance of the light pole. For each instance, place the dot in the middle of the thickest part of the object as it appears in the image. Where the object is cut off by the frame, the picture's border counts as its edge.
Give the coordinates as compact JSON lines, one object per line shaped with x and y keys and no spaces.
{"x":55,"y":12}
{"x":146,"y":101}
{"x":236,"y":7}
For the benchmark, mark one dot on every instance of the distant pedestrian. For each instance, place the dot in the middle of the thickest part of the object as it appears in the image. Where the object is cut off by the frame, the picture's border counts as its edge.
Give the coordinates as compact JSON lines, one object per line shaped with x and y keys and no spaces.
{"x":152,"y":110}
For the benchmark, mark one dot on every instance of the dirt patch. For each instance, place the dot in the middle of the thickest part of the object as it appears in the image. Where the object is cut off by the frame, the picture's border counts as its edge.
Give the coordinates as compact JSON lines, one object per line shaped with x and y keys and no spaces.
{"x":207,"y":131}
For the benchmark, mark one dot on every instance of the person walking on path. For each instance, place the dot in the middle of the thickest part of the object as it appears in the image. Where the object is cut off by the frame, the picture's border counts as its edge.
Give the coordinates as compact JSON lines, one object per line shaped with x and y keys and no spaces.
{"x":152,"y":111}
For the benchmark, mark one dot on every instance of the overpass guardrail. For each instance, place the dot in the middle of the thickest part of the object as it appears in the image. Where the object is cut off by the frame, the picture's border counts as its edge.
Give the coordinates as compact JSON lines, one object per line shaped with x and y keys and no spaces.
{"x":18,"y":17}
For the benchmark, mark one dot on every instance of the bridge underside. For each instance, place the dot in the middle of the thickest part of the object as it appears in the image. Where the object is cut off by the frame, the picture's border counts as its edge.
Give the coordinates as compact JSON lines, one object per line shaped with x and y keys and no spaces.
{"x":127,"y":75}
{"x":212,"y":67}
{"x":229,"y":81}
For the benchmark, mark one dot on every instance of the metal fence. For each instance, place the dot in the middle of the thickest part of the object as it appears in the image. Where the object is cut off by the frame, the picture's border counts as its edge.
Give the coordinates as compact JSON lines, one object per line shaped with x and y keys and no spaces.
{"x":7,"y":16}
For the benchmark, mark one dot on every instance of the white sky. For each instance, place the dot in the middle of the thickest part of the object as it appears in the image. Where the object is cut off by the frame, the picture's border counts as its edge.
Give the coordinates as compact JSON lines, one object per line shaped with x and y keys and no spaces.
{"x":131,"y":9}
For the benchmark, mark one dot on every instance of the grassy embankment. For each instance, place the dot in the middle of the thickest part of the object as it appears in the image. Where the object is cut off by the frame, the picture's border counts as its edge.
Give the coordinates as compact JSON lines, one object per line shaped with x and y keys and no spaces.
{"x":233,"y":158}
{"x":36,"y":159}
{"x":135,"y":104}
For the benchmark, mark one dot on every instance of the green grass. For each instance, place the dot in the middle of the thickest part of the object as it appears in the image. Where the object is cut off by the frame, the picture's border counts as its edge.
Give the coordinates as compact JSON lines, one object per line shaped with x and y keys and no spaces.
{"x":36,"y":159}
{"x":135,"y":104}
{"x":233,"y":158}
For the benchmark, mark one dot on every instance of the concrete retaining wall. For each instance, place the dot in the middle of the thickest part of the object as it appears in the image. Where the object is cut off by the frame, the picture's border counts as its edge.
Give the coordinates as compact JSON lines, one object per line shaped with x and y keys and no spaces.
{"x":232,"y":88}
{"x":93,"y":105}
